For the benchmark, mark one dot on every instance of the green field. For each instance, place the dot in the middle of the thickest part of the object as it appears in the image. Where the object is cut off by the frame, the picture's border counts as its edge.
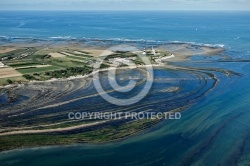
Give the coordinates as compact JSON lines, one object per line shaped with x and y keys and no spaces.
{"x":15,"y":65}
{"x":14,"y":53}
{"x":62,"y":62}
{"x":21,"y":53}
{"x":26,"y":59}
{"x":37,"y":70}
{"x":76,"y":57}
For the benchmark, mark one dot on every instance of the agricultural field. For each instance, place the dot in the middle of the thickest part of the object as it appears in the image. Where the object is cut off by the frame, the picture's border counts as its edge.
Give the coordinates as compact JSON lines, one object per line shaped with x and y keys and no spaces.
{"x":43,"y":63}
{"x":30,"y":70}
{"x":8,"y":72}
{"x":19,"y":53}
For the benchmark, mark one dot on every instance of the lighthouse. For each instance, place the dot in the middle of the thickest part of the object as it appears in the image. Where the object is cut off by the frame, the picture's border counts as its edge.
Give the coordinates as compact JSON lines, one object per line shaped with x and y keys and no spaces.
{"x":144,"y":51}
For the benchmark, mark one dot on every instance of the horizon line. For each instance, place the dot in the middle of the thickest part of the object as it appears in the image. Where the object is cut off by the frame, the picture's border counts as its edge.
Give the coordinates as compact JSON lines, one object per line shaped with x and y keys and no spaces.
{"x":189,"y":10}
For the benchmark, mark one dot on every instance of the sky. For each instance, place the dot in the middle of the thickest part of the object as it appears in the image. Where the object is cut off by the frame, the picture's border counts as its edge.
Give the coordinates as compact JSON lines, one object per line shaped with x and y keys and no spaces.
{"x":124,"y":4}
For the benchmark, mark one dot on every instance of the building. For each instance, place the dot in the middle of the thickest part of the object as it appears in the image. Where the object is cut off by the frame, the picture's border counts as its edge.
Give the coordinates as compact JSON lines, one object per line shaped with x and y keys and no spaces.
{"x":2,"y":64}
{"x":153,"y":51}
{"x":144,"y":51}
{"x":4,"y":58}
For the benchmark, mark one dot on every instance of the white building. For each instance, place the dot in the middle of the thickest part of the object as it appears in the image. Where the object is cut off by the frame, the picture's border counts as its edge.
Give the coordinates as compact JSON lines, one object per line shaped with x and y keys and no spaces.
{"x":2,"y":65}
{"x":153,"y":51}
{"x":144,"y":51}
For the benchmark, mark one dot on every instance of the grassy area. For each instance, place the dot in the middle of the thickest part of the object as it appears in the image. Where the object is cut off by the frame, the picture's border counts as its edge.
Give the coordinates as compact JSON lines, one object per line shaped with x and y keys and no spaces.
{"x":18,"y":61}
{"x":76,"y":57}
{"x":62,"y":62}
{"x":6,"y":81}
{"x":122,"y":55}
{"x":19,"y":53}
{"x":37,"y":70}
{"x":14,"y":53}
{"x":15,"y":65}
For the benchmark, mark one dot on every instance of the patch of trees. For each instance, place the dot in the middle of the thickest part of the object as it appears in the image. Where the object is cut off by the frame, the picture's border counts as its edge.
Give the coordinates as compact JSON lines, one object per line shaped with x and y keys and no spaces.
{"x":29,"y":77}
{"x":72,"y":71}
{"x":9,"y":81}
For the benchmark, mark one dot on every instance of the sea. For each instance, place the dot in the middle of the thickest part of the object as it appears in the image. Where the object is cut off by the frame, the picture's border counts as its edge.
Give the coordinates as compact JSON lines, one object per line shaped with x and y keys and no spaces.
{"x":213,"y":131}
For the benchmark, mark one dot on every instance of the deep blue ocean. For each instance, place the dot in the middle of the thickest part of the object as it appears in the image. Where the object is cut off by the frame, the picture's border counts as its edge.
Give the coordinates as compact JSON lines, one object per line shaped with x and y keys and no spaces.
{"x":215,"y":131}
{"x":224,"y":28}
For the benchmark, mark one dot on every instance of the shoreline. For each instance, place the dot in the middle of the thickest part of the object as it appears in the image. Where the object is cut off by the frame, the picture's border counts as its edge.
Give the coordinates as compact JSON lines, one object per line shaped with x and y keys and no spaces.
{"x":67,"y":40}
{"x":80,"y":76}
{"x":67,"y":134}
{"x":181,"y":52}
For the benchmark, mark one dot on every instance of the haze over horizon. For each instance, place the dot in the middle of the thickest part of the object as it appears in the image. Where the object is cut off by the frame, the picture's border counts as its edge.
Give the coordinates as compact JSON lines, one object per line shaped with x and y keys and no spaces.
{"x":125,"y":5}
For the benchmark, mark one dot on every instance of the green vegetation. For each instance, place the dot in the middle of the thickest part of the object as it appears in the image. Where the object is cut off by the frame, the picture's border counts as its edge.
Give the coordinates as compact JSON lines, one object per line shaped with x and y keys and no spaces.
{"x":14,"y":53}
{"x":41,"y":56}
{"x":122,"y":55}
{"x":26,"y":61}
{"x":69,"y":72}
{"x":100,"y":135}
{"x":62,"y":62}
{"x":9,"y":81}
{"x":122,"y":52}
{"x":85,"y":52}
{"x":19,"y":53}
{"x":103,"y":66}
{"x":76,"y":57}
{"x":138,"y":62}
{"x":29,"y":77}
{"x":23,"y":64}
{"x":36,"y":70}
{"x":12,"y":80}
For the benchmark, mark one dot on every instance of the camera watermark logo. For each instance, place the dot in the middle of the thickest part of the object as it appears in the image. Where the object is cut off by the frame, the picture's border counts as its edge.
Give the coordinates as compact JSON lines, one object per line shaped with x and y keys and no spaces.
{"x":112,"y":77}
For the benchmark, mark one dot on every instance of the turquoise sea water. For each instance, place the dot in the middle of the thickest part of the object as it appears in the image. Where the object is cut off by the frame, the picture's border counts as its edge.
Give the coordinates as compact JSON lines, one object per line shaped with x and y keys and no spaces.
{"x":214,"y":131}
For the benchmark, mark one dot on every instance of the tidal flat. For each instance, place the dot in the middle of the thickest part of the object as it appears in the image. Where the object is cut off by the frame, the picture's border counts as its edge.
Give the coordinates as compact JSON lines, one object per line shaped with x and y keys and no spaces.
{"x":35,"y":112}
